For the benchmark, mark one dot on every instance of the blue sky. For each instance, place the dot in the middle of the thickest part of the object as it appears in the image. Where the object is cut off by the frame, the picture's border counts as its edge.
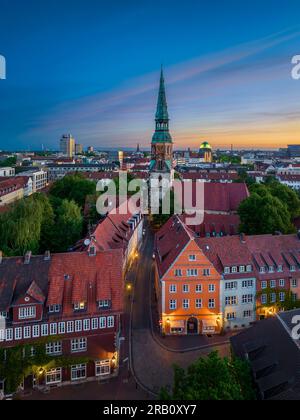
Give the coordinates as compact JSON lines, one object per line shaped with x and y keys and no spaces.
{"x":92,"y":68}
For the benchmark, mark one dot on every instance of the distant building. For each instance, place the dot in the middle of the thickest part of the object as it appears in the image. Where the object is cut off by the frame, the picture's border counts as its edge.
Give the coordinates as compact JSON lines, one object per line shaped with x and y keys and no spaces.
{"x":7,"y":172}
{"x":90,"y":149}
{"x":294,"y":150}
{"x":14,"y":189}
{"x":58,"y":171}
{"x":206,"y":152}
{"x":67,"y":145}
{"x":39,"y":179}
{"x":78,"y":149}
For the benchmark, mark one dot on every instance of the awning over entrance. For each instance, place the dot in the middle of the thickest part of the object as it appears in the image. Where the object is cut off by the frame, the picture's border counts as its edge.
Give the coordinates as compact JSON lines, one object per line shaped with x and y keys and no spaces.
{"x":209,"y":325}
{"x":177,"y":324}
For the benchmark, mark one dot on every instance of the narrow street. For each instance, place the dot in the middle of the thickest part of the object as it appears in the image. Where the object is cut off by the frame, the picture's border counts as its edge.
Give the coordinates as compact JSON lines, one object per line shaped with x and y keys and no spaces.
{"x":153,"y":357}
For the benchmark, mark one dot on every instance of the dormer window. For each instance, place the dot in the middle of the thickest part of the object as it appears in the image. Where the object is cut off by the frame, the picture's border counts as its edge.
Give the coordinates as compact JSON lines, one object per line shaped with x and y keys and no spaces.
{"x":249,"y":268}
{"x":79,"y":306}
{"x":271,"y":269}
{"x":54,"y":309}
{"x":234,"y":270}
{"x":280,"y":268}
{"x":242,"y":269}
{"x":262,"y":270}
{"x":4,"y":315}
{"x":104,"y":304}
{"x":227,"y":270}
{"x":27,"y":312}
{"x":292,"y":268}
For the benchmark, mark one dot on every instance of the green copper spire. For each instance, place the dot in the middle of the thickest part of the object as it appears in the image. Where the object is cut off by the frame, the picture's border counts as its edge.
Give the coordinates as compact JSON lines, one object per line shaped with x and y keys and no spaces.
{"x":162,"y":107}
{"x":162,"y":134}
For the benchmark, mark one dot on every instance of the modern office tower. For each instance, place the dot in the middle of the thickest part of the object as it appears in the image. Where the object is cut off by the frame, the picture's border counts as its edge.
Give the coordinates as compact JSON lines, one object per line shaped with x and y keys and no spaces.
{"x":67,"y":145}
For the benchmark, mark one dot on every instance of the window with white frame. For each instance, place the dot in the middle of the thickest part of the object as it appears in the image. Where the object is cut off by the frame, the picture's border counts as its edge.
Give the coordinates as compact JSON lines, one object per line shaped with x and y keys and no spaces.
{"x":35,"y":331}
{"x":61,"y":328}
{"x":280,"y":268}
{"x":234,"y":270}
{"x":54,"y":348}
{"x":53,"y":328}
{"x":110,"y":321}
{"x":52,"y":309}
{"x":292,"y":268}
{"x":242,"y":269}
{"x":264,"y":284}
{"x":264,"y":299}
{"x":27,"y":312}
{"x":78,"y":325}
{"x":230,"y":316}
{"x":70,"y":327}
{"x":262,"y":270}
{"x":281,"y":283}
{"x":185,"y":288}
{"x":185,"y":303}
{"x":227,"y":270}
{"x":192,"y":257}
{"x":247,"y":299}
{"x":192,"y":272}
{"x":4,"y":314}
{"x":18,"y":333}
{"x":172,"y":304}
{"x":102,"y":322}
{"x":178,"y":272}
{"x":247,"y":314}
{"x":294,"y":283}
{"x":247,"y":284}
{"x":211,"y":288}
{"x":282,"y":296}
{"x":9,"y":334}
{"x":173,"y":288}
{"x":230,"y":300}
{"x":102,"y":367}
{"x":86,"y":325}
{"x":78,"y":372}
{"x":44,"y":330}
{"x":198,"y":303}
{"x":273,"y":297}
{"x":249,"y":268}
{"x":231,"y":285}
{"x":94,"y":323}
{"x":206,"y":272}
{"x":79,"y":306}
{"x":78,"y":345}
{"x":104,"y":304}
{"x":27,"y":332}
{"x":198,"y":288}
{"x":211,"y":303}
{"x":272,"y":284}
{"x":54,"y":376}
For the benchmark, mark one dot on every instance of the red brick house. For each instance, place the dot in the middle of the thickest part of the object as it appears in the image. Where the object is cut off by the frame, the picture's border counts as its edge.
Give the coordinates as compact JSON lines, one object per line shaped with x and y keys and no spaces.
{"x":73,"y":300}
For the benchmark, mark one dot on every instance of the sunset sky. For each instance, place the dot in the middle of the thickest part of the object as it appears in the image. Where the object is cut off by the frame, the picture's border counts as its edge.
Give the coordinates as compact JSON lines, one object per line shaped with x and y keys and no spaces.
{"x":91,"y":68}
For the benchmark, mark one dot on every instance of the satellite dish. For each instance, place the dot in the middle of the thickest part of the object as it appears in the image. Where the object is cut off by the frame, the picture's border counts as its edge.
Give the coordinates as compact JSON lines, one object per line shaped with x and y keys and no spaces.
{"x":87,"y":242}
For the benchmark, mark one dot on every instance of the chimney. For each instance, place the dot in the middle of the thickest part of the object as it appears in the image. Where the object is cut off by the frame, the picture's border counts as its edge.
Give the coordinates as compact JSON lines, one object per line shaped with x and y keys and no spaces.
{"x":1,"y":257}
{"x":27,"y":257}
{"x":47,"y":256}
{"x":243,"y":238}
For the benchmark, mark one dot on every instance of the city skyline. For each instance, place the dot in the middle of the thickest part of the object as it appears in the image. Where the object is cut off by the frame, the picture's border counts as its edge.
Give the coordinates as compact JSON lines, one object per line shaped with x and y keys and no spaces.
{"x":232,"y":87}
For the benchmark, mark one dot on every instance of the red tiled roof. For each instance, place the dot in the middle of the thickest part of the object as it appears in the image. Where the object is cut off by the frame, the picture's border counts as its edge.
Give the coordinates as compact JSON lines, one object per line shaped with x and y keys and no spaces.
{"x":77,"y":277}
{"x":7,"y":185}
{"x":170,"y":240}
{"x":221,"y":197}
{"x":216,"y":224}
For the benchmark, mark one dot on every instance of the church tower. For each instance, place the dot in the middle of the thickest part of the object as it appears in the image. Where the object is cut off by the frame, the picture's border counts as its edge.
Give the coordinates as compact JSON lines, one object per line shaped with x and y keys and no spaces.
{"x":161,"y":165}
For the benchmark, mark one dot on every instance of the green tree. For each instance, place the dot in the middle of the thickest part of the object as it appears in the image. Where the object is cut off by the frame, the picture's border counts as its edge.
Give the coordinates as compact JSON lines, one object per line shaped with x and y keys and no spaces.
{"x":212,"y":378}
{"x":11,"y":161}
{"x":68,"y":226}
{"x":262,"y":214}
{"x":73,"y":187}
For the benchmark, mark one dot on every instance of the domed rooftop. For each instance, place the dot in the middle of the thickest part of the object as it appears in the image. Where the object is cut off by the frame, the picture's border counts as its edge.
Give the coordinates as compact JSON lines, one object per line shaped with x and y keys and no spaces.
{"x":205,"y":145}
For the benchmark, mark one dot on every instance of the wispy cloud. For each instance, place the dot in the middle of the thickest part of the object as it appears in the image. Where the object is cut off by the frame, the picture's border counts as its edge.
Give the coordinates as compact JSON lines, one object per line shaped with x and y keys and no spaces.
{"x":203,"y":93}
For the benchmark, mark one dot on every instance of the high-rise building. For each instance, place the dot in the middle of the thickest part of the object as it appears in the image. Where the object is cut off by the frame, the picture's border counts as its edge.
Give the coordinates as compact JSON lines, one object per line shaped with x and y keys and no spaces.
{"x":67,"y":145}
{"x":78,"y":149}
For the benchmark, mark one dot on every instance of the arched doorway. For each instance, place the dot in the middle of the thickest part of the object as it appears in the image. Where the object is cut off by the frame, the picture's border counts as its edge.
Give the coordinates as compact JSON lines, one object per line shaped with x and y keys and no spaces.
{"x":192,"y":326}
